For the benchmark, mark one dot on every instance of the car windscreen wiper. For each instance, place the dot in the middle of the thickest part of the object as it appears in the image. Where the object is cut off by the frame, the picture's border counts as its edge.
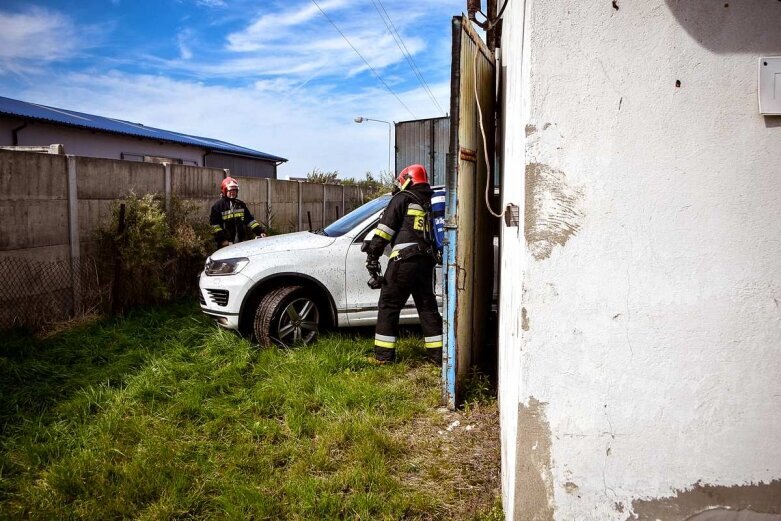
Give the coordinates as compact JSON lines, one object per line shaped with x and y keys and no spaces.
{"x":319,"y":231}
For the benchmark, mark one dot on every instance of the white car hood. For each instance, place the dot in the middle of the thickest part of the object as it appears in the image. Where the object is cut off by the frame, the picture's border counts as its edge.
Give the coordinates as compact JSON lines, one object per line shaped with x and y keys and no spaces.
{"x":275,"y":244}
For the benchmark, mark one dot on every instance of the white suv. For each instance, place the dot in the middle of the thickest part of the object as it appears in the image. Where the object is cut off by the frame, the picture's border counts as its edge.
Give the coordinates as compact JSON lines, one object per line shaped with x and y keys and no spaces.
{"x":286,"y":288}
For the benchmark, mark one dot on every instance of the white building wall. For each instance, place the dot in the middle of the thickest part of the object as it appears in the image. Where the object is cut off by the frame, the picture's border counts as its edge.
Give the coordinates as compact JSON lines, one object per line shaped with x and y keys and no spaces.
{"x":94,"y":144}
{"x":640,"y":314}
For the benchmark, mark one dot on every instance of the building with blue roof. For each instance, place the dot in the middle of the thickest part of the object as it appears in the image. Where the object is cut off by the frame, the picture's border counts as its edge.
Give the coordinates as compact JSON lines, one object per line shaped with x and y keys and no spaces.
{"x":29,"y":124}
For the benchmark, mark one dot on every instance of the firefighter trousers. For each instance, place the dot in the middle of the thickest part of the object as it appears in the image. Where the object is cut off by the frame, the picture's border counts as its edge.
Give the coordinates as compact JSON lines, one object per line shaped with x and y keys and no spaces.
{"x":413,"y":276}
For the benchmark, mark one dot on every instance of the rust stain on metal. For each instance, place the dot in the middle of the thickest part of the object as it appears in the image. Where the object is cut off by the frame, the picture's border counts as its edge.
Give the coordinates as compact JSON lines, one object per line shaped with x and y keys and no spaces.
{"x":759,"y":501}
{"x":552,"y":212}
{"x":468,"y":154}
{"x":534,"y":482}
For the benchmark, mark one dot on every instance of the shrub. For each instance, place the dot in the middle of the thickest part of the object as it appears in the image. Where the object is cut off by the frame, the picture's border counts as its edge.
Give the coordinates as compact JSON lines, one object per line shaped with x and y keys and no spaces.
{"x":153,"y":257}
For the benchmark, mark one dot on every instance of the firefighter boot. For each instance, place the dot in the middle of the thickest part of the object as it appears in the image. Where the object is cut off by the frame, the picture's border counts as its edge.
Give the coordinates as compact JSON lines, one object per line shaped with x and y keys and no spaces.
{"x":384,"y":355}
{"x":434,"y":355}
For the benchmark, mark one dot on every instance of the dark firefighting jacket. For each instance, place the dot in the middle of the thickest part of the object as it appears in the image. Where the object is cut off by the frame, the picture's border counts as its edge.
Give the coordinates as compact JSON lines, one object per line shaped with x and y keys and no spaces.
{"x":405,"y":224}
{"x":228,"y":220}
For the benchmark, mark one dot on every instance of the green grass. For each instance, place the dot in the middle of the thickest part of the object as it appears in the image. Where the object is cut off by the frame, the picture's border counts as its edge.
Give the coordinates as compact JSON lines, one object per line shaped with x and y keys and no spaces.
{"x":160,"y":415}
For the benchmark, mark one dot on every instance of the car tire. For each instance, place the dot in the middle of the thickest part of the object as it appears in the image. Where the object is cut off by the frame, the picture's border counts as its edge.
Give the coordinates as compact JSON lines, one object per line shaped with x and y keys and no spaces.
{"x":287,"y":316}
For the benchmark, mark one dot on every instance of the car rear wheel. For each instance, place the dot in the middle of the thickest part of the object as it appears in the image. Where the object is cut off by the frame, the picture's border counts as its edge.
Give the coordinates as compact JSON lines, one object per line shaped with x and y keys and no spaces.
{"x":287,"y":316}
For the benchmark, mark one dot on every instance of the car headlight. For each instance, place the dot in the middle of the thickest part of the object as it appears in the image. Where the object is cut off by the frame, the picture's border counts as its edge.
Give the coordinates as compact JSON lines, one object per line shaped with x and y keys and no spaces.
{"x":225,"y":266}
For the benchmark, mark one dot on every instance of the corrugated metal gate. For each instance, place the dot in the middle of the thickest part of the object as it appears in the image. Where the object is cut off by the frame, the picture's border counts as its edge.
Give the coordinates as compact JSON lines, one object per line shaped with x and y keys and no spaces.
{"x":469,"y":244}
{"x":425,"y":142}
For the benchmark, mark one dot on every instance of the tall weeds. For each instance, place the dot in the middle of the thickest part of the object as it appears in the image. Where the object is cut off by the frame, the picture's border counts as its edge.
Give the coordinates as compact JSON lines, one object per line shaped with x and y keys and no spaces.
{"x":151,"y":256}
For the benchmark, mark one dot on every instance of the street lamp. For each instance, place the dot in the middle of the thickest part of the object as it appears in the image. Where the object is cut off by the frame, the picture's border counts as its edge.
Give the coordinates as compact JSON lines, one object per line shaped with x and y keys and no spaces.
{"x":361,"y":119}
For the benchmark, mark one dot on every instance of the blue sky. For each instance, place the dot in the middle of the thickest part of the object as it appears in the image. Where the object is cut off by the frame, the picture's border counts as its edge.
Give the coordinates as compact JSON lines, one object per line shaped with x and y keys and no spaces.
{"x":271,"y":75}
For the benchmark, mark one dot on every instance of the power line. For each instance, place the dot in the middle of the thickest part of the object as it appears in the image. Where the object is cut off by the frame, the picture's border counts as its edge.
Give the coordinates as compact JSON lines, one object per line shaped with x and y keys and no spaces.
{"x":364,"y":59}
{"x":404,"y":51}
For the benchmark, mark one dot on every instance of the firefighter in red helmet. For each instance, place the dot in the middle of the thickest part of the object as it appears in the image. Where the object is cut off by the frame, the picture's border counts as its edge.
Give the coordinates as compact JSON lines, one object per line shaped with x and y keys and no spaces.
{"x":406,"y":226}
{"x":229,"y":216}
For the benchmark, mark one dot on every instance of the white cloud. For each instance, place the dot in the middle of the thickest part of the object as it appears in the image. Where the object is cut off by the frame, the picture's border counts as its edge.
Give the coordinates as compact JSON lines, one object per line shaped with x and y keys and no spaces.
{"x":276,"y":26}
{"x":182,"y":40}
{"x":35,"y":37}
{"x":302,"y":39}
{"x":211,"y":3}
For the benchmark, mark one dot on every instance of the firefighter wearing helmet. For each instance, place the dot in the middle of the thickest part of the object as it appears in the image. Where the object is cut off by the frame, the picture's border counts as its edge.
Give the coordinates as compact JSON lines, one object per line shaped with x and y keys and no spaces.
{"x":406,"y":226}
{"x":230,"y":216}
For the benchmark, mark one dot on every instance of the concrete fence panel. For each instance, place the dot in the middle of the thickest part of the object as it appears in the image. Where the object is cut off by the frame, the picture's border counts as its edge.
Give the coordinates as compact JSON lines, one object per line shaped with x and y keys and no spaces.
{"x":254,"y":192}
{"x":311,"y":206}
{"x":353,"y":198}
{"x":332,"y":202}
{"x":194,"y":182}
{"x":111,"y":179}
{"x":33,"y":200}
{"x":284,"y":205}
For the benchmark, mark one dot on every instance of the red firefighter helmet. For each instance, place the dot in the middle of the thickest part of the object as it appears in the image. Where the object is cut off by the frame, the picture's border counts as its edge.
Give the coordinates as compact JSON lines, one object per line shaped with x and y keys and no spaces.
{"x":229,"y":184}
{"x":413,"y":174}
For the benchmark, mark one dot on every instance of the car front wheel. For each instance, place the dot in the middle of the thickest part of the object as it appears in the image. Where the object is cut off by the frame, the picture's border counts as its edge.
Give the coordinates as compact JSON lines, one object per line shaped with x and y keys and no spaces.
{"x":286,"y":316}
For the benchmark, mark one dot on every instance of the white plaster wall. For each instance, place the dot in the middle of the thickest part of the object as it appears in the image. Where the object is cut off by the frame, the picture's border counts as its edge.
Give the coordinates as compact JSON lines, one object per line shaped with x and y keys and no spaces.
{"x":653,"y":332}
{"x":513,"y":69}
{"x":93,"y":144}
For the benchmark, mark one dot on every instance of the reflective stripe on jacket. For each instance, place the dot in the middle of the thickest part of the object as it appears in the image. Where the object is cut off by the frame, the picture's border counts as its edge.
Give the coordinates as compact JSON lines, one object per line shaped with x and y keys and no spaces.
{"x":228,"y":219}
{"x":404,"y":223}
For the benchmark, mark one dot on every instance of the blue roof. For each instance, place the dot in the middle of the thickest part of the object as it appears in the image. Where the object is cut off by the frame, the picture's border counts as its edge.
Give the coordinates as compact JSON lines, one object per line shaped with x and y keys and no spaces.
{"x":72,"y":118}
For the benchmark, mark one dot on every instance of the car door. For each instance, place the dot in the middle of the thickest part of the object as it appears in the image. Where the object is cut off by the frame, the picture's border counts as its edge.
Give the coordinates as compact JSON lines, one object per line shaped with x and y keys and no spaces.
{"x":362,"y":300}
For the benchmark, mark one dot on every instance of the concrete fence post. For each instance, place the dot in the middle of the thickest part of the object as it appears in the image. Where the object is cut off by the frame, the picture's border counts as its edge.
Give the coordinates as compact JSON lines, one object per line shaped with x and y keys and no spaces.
{"x":73,"y":233}
{"x":300,"y":207}
{"x":167,"y":184}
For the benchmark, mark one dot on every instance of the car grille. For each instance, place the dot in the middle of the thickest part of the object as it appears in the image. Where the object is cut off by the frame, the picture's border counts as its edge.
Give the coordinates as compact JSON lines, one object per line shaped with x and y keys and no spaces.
{"x":200,"y":298}
{"x":218,"y":296}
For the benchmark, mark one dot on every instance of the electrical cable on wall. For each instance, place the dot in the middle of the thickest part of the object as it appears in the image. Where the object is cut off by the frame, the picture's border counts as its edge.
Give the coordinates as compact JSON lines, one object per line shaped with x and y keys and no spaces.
{"x":485,"y":145}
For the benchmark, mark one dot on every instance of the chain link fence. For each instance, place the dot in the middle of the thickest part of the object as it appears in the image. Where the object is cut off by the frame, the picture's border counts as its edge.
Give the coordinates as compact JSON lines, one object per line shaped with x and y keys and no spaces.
{"x":34,"y":294}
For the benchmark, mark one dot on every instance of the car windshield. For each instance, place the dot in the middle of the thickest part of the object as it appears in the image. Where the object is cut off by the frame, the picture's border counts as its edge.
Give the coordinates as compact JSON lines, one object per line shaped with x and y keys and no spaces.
{"x":357,"y":216}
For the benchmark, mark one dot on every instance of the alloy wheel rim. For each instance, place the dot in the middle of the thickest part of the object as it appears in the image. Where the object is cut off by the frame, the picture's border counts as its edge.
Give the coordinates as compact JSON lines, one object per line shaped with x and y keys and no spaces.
{"x":298,"y":322}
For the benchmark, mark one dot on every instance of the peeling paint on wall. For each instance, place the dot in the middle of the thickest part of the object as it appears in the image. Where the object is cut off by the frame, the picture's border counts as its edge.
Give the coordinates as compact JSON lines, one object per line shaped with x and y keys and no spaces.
{"x":755,"y":502}
{"x":552,"y":212}
{"x":534,"y":483}
{"x":524,"y":319}
{"x":571,"y":487}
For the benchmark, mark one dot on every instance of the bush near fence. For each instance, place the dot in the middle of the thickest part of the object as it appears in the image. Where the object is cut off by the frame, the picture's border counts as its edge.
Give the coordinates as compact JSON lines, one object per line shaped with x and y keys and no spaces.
{"x":51,"y":207}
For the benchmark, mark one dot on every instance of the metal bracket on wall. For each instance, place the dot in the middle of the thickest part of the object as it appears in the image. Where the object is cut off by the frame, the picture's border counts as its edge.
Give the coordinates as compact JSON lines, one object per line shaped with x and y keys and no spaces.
{"x":512,"y":215}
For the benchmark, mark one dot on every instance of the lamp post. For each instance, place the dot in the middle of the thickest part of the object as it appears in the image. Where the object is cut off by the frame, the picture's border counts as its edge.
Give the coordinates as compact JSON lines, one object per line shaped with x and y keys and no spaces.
{"x":361,"y":119}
